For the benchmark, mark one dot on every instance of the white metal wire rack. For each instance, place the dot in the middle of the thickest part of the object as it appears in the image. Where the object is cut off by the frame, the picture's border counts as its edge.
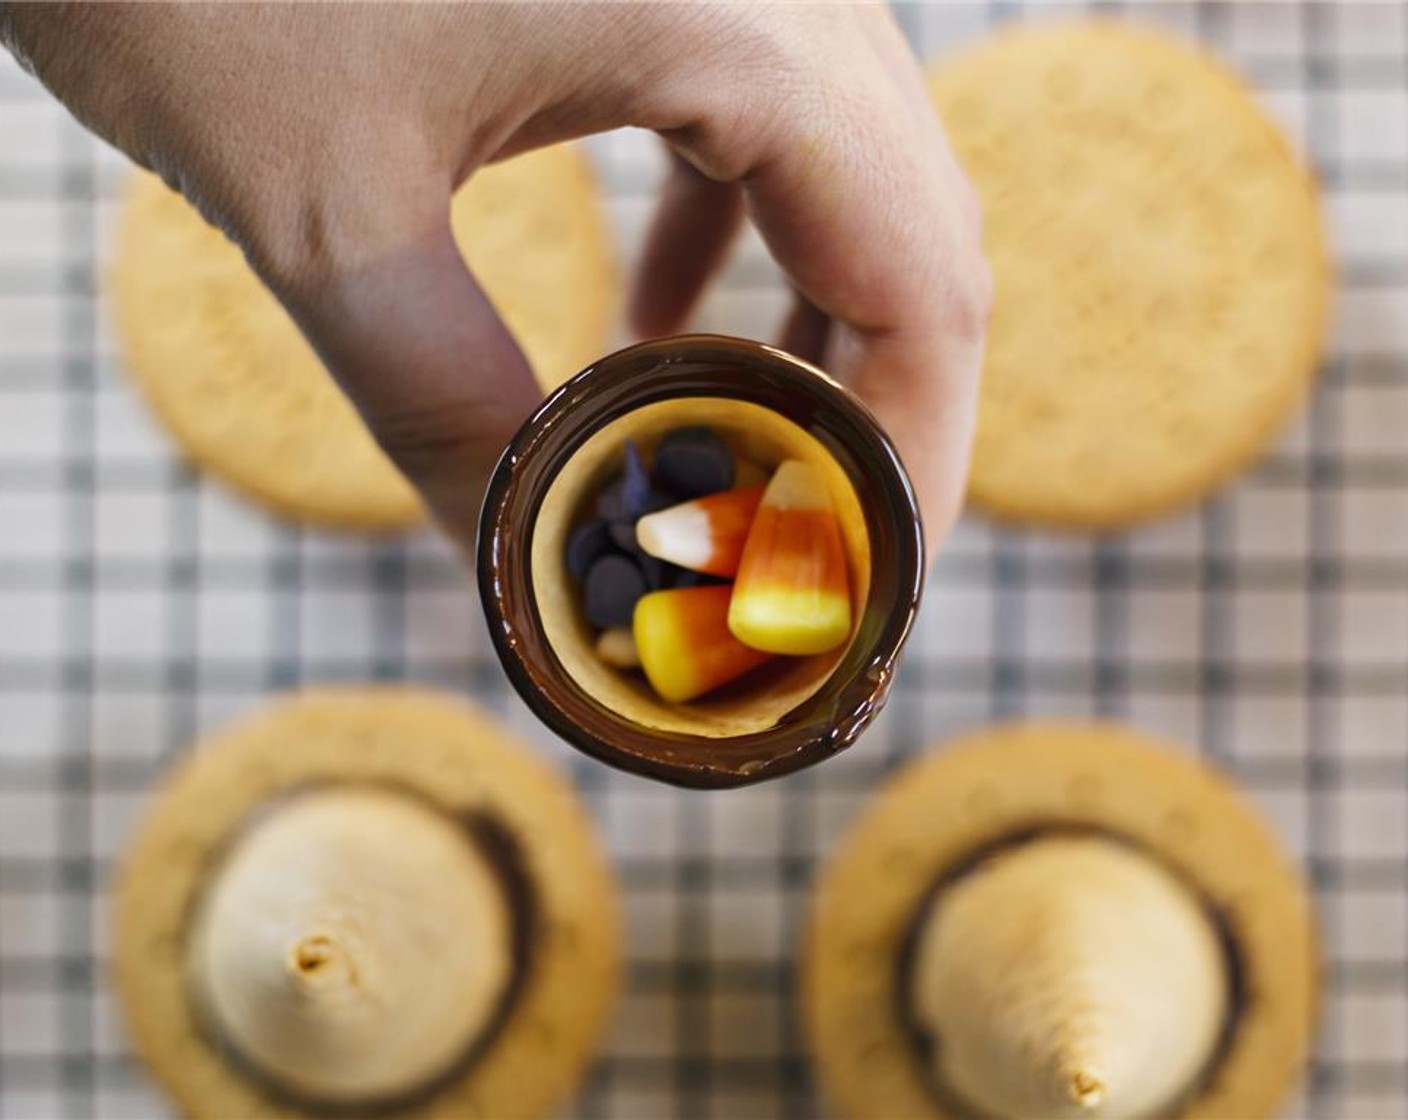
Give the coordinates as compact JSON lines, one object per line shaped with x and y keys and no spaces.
{"x":140,"y":605}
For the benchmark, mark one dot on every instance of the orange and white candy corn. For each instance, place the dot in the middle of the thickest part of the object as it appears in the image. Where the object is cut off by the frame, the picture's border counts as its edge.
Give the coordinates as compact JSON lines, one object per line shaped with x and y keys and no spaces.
{"x":684,"y":644}
{"x":705,"y":535}
{"x":792,"y":594}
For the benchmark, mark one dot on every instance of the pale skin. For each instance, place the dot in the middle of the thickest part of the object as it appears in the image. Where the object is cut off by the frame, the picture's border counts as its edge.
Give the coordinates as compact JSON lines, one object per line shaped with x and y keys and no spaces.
{"x":327,"y":140}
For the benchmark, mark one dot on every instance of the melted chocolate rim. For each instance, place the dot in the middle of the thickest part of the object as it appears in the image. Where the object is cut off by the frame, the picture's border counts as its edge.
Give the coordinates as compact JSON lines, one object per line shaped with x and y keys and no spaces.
{"x":833,"y":717}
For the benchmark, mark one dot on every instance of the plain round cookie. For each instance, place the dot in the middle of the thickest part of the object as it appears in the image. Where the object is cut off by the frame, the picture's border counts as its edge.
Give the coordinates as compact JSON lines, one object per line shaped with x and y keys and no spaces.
{"x":442,"y":752}
{"x":969,"y":796}
{"x":1160,"y":267}
{"x":233,"y":380}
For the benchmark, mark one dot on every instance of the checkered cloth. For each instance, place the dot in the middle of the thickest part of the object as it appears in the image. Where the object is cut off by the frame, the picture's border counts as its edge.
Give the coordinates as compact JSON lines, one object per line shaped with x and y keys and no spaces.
{"x":140,"y":606}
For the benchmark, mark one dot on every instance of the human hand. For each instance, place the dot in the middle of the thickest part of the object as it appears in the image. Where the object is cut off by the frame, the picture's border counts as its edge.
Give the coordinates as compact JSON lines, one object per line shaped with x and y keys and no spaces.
{"x":327,"y":141}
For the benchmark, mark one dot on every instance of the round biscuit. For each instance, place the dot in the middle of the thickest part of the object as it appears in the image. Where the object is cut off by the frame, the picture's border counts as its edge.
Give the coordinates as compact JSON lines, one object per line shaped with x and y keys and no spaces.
{"x":1007,"y":781}
{"x":458,"y":761}
{"x":1160,"y":271}
{"x":233,"y":380}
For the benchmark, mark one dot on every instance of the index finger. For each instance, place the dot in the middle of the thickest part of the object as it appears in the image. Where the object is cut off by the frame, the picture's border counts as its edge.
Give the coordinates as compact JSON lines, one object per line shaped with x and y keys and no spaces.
{"x":864,"y":206}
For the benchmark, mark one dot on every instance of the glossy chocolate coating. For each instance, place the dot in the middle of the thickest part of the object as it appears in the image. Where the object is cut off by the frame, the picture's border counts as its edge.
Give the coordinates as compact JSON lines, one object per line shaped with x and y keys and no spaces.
{"x":834,"y":716}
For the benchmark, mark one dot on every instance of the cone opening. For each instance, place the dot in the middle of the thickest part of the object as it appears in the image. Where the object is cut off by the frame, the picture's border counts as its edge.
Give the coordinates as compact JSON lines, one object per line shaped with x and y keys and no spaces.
{"x":760,"y":435}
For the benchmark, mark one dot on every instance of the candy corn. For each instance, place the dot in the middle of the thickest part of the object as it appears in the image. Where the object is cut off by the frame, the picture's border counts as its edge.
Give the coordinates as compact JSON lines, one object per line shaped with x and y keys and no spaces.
{"x":792,"y":595}
{"x":684,"y":643}
{"x":705,"y":535}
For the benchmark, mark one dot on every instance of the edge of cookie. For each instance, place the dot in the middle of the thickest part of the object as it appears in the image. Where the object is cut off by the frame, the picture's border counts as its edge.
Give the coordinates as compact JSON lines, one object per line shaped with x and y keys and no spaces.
{"x":986,"y":785}
{"x":460,"y":759}
{"x":998,"y":506}
{"x":387,"y":518}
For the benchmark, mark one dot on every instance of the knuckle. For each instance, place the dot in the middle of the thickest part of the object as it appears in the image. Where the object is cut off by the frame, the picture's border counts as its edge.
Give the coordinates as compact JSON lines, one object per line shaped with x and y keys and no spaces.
{"x":732,"y":135}
{"x":305,"y":228}
{"x":299,"y":241}
{"x":289,"y":251}
{"x":758,"y":91}
{"x":971,"y":294}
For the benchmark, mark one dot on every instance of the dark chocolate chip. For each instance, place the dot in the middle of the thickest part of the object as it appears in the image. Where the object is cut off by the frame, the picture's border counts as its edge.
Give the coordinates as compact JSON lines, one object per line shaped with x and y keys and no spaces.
{"x":692,"y":463}
{"x":614,"y":585}
{"x":610,"y":503}
{"x":587,"y":544}
{"x":623,"y":535}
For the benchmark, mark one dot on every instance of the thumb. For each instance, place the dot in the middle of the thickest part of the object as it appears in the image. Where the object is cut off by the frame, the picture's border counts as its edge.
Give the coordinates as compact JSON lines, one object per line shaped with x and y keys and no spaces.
{"x":415,"y":343}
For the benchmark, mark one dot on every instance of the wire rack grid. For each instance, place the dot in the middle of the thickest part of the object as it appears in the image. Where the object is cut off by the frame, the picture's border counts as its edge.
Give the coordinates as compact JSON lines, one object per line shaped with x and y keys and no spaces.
{"x":140,"y":605}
